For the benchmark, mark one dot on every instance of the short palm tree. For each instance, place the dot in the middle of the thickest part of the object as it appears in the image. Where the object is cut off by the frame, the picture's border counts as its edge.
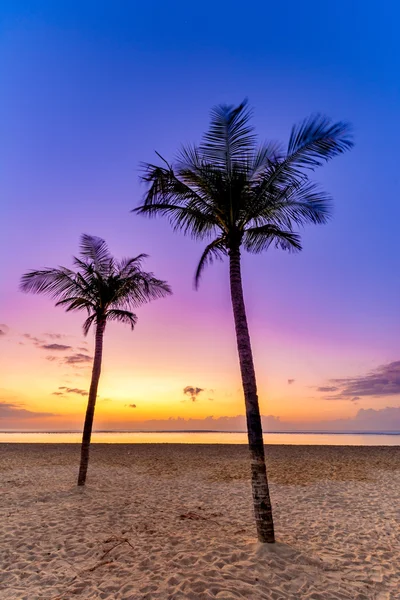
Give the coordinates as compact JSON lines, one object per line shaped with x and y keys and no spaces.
{"x":242,"y":196}
{"x":108,"y":290}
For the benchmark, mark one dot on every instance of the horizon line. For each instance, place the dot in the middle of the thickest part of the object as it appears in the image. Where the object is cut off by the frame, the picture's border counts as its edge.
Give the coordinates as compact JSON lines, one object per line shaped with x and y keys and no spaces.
{"x":300,"y":431}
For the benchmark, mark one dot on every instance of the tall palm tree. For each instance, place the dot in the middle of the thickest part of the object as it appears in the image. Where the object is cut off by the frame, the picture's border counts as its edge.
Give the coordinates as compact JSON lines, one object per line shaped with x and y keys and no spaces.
{"x":108,"y":290}
{"x":245,"y":196}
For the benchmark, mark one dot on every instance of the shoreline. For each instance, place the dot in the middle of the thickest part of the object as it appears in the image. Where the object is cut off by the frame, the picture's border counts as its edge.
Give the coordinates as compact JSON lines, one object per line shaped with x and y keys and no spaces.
{"x":207,"y":437}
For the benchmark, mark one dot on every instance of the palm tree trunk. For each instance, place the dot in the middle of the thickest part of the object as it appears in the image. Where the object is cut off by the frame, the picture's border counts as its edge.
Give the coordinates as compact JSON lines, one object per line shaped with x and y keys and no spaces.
{"x":261,"y":498}
{"x":87,"y":429}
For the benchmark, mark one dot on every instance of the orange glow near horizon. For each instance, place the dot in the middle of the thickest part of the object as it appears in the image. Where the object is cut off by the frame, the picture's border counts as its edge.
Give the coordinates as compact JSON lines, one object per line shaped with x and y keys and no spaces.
{"x":141,"y":382}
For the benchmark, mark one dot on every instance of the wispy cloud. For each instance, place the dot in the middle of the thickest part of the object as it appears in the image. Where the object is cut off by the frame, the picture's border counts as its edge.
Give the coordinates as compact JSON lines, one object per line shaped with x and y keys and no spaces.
{"x":3,"y":329}
{"x":78,"y":358}
{"x":58,"y":347}
{"x":11,"y":410}
{"x":290,"y":381}
{"x":383,"y":381}
{"x":35,"y":340}
{"x":69,"y":390}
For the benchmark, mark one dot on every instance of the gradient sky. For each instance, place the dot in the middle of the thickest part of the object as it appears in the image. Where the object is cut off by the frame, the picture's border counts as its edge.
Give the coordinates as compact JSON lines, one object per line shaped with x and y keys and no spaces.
{"x":91,"y":89}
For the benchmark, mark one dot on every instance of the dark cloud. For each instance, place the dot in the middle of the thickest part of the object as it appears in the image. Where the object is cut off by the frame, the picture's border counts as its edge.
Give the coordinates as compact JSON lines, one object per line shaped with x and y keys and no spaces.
{"x":192,"y":392}
{"x":10,"y":410}
{"x":57,"y":394}
{"x":58,"y":347}
{"x":290,"y":381}
{"x":327,"y":389}
{"x":69,"y":390}
{"x":78,"y":358}
{"x":3,"y":329}
{"x":51,"y":358}
{"x":132,"y":405}
{"x":383,"y":381}
{"x":82,"y":349}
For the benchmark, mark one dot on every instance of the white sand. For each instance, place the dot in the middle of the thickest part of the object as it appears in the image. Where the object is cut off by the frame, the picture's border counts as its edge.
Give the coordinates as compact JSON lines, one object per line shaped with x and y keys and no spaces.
{"x":175,"y":523}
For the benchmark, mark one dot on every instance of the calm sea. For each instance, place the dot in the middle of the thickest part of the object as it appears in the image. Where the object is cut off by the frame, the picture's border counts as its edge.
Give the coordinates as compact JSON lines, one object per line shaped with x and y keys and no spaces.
{"x":203,"y":437}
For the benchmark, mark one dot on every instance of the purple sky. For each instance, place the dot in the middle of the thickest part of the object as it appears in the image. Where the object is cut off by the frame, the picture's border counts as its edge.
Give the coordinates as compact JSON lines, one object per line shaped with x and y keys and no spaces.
{"x":91,"y":89}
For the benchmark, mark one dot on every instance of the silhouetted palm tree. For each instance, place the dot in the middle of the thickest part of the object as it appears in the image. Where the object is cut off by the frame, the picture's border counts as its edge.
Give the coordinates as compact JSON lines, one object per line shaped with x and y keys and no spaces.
{"x":108,"y":290}
{"x":245,"y":196}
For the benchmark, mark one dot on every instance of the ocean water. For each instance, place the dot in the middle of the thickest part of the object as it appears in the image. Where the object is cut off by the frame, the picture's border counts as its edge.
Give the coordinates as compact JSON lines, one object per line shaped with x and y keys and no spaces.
{"x":203,"y":437}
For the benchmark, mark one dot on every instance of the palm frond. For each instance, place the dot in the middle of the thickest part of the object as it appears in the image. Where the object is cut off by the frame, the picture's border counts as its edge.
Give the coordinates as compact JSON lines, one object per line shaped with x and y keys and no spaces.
{"x":88,"y":323}
{"x":127,"y":265}
{"x":164,"y":186}
{"x":312,"y":142}
{"x":52,"y":282}
{"x":258,"y":239}
{"x":303,"y":204}
{"x":122,"y":316}
{"x":296,"y":204}
{"x":316,"y":140}
{"x":76,"y":303}
{"x":214,"y":251}
{"x":95,"y":249}
{"x":189,"y":219}
{"x":230,"y":136}
{"x":146,"y":288}
{"x":190,"y":157}
{"x":262,"y":159}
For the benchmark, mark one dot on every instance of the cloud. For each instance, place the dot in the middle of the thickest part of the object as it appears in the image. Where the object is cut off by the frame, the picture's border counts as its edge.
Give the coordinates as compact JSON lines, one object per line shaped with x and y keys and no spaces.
{"x":290,"y":381}
{"x":55,"y":336}
{"x":383,"y":381}
{"x":77,"y":359}
{"x":10,"y":410}
{"x":35,"y":341}
{"x":385,"y":419}
{"x":132,"y":405}
{"x":3,"y":329}
{"x":192,"y":392}
{"x":69,"y":390}
{"x":59,"y":347}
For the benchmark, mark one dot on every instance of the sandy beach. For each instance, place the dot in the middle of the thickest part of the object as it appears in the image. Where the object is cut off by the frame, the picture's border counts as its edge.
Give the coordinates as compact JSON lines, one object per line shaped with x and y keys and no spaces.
{"x":174,"y":522}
